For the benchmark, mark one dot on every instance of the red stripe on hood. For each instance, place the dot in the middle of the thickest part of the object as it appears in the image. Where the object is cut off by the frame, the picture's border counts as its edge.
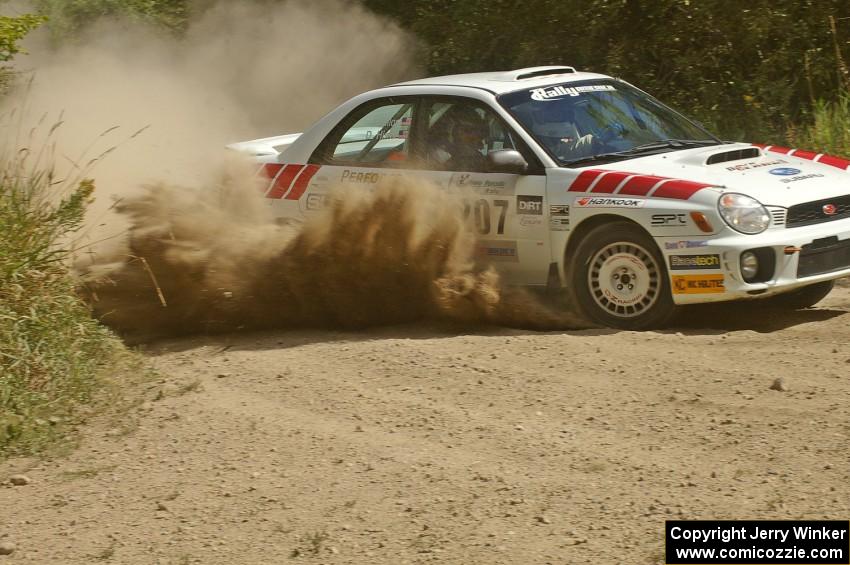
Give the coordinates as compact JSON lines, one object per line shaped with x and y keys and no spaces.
{"x":812,"y":156}
{"x":609,"y":182}
{"x":782,"y":150}
{"x":640,"y":185}
{"x":679,"y":189}
{"x":584,"y":180}
{"x":804,"y":154}
{"x":834,"y":161}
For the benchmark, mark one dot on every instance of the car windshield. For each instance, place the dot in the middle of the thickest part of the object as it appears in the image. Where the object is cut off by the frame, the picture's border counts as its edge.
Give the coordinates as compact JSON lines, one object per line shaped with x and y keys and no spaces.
{"x":601,"y":121}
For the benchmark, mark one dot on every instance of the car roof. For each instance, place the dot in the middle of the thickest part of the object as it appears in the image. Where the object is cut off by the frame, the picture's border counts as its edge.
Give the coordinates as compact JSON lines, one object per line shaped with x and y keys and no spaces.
{"x":501,"y":82}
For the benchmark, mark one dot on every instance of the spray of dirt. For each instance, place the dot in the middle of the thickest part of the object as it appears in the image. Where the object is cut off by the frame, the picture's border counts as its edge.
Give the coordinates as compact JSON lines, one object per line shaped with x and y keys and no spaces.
{"x":209,"y":261}
{"x":198,"y":252}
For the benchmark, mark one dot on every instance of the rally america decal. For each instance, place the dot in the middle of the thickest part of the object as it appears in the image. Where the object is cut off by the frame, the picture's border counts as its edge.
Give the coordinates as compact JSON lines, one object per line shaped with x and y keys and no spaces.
{"x":556,"y":92}
{"x":599,"y":181}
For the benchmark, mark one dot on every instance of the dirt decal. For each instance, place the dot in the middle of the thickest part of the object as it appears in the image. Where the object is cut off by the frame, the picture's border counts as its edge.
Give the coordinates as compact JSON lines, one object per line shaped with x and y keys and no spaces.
{"x":213,"y":261}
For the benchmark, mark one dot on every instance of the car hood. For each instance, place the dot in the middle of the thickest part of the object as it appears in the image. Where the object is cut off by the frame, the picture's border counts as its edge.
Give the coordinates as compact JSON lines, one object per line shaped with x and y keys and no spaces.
{"x":773,"y":178}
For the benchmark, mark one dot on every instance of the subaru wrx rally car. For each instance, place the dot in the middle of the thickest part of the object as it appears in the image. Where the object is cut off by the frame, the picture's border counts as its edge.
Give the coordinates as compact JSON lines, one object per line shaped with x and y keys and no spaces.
{"x":580,"y":180}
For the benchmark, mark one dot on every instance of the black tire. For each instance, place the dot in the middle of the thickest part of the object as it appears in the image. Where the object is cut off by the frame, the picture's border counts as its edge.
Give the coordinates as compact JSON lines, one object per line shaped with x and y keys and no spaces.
{"x":607,"y":260}
{"x":805,"y":297}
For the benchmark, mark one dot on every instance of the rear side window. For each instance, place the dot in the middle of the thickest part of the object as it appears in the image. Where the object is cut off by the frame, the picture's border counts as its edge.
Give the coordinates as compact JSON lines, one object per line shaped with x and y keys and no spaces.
{"x":374,"y":135}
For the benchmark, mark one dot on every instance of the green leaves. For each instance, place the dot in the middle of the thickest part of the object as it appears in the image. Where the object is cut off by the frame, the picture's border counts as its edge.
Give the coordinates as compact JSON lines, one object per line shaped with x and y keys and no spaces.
{"x":67,"y":18}
{"x":747,"y":72}
{"x":12,"y":30}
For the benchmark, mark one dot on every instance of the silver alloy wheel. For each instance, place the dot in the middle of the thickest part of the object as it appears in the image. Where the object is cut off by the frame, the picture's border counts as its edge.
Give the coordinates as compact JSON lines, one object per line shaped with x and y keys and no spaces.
{"x":624,"y":279}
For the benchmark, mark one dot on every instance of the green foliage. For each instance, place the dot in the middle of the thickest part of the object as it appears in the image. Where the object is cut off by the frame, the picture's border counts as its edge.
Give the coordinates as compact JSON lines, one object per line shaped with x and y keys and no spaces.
{"x":51,"y":350}
{"x":745,"y":70}
{"x":12,"y":30}
{"x":830,"y":130}
{"x":70,"y":17}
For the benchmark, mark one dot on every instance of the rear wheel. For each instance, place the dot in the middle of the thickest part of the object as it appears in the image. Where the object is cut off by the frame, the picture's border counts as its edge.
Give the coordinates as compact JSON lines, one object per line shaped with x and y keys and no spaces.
{"x":805,"y":297}
{"x":618,"y":279}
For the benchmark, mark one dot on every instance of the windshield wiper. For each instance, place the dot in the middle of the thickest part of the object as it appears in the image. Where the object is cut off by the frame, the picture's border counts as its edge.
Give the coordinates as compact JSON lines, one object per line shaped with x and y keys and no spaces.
{"x":644,"y":148}
{"x":670,"y":143}
{"x":596,"y":158}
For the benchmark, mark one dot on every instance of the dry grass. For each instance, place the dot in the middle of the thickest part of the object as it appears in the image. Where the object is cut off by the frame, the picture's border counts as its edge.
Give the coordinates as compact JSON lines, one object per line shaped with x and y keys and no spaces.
{"x":53,"y":355}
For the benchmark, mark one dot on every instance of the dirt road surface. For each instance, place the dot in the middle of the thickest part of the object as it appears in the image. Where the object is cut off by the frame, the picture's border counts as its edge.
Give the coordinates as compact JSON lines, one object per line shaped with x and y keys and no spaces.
{"x":415,"y":445}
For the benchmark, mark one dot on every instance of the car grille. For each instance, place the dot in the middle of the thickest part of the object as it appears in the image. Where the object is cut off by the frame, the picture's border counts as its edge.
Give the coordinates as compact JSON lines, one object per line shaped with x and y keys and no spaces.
{"x":812,"y":212}
{"x":777,"y":216}
{"x":824,"y":256}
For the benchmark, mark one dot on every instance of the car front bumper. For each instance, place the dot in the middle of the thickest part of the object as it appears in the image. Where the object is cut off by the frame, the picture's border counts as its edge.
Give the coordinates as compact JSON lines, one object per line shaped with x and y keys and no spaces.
{"x":824,"y":255}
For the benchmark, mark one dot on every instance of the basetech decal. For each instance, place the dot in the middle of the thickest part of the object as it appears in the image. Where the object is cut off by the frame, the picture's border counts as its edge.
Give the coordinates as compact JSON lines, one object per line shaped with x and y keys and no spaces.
{"x":598,"y":181}
{"x":838,"y":162}
{"x":698,"y":284}
{"x":695,"y":262}
{"x":287,"y":181}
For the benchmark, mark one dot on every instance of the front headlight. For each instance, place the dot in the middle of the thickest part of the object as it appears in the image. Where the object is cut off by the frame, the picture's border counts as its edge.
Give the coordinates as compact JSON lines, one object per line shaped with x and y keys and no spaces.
{"x":742,"y":213}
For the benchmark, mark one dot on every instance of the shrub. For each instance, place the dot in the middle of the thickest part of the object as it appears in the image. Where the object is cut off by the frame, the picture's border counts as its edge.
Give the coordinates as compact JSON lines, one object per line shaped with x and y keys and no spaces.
{"x":52,"y":352}
{"x":829,"y":131}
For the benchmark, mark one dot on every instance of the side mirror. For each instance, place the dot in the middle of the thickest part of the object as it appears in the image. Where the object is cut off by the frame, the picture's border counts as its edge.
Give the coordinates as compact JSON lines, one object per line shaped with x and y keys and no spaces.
{"x":506,"y":161}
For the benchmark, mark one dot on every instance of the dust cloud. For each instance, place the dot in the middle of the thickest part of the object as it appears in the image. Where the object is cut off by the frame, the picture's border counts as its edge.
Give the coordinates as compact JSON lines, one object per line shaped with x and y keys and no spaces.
{"x":242,"y":70}
{"x":211,"y":261}
{"x":179,"y":240}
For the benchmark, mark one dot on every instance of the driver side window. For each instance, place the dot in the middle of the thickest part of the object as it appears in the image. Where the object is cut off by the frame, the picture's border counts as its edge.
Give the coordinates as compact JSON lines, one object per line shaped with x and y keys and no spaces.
{"x":461,"y":133}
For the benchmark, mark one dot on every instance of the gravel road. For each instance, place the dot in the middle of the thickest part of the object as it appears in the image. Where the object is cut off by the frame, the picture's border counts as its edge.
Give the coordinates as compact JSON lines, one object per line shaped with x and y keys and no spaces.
{"x":417,"y":445}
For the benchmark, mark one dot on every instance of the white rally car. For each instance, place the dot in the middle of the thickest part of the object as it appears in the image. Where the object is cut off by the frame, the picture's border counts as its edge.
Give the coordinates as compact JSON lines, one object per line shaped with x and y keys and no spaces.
{"x":582,"y":181}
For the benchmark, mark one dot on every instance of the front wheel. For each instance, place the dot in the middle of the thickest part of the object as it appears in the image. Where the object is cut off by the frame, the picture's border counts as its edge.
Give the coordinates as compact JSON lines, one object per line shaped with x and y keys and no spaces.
{"x":617,"y":278}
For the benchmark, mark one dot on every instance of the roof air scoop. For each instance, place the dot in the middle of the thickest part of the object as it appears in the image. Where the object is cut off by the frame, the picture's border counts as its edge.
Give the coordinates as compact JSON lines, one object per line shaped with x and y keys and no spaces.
{"x":736,"y":155}
{"x":535,"y":72}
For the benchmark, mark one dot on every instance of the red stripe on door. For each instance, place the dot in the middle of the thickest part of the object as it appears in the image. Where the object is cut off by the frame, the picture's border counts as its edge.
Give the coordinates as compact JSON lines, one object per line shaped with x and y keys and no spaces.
{"x":302,"y":181}
{"x":609,"y":182}
{"x":678,"y":189}
{"x":269,"y":170}
{"x":640,"y":185}
{"x":584,"y":180}
{"x":283,"y":181}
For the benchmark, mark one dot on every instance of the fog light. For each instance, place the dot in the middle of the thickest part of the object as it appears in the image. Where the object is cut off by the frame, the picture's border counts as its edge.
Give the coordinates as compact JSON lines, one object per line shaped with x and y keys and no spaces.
{"x":749,"y":265}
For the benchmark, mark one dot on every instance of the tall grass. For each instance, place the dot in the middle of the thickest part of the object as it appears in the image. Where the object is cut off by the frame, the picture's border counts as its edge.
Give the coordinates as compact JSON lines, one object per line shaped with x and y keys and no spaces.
{"x":829,"y":130}
{"x":52,"y":353}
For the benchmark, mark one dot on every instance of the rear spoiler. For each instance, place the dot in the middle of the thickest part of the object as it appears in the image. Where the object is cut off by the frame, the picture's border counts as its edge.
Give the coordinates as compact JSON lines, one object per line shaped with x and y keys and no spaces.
{"x":266,"y":145}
